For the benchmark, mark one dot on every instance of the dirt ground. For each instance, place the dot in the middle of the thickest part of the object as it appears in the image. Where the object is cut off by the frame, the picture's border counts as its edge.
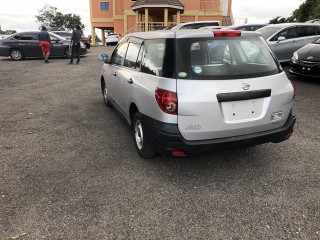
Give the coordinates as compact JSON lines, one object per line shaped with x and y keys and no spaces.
{"x":69,"y":170}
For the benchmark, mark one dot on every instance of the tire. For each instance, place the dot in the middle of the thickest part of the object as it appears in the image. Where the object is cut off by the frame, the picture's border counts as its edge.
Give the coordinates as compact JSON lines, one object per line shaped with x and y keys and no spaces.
{"x":141,"y":140}
{"x":16,"y":55}
{"x":67,"y":53}
{"x":105,"y":94}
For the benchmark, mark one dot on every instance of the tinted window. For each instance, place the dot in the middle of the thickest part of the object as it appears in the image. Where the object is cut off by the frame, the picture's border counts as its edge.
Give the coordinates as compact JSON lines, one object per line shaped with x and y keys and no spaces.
{"x":132,"y":55}
{"x":158,"y":58}
{"x":224,"y":58}
{"x":307,"y":31}
{"x":119,"y":53}
{"x":29,"y":36}
{"x":267,"y":32}
{"x":289,"y":33}
{"x":16,"y":37}
{"x":192,"y":26}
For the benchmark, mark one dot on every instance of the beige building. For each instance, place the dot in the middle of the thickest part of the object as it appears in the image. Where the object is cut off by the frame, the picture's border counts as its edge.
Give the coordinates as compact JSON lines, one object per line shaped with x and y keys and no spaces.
{"x":125,"y":16}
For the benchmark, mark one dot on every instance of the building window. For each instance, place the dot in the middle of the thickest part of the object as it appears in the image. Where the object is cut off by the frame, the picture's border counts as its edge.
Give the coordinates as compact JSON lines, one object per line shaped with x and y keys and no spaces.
{"x":104,"y":6}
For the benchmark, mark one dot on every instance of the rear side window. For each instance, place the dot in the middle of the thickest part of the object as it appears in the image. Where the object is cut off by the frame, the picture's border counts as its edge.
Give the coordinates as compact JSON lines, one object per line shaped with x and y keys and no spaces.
{"x":224,"y":58}
{"x":119,"y":53}
{"x":29,"y":37}
{"x":307,"y":31}
{"x":158,"y":58}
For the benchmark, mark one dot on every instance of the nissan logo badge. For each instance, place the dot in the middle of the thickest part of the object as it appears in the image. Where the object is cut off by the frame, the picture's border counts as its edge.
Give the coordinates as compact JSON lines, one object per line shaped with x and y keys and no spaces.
{"x":245,"y":86}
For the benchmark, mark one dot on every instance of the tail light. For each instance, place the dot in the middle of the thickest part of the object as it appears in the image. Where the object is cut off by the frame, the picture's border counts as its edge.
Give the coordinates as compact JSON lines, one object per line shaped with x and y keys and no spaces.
{"x":167,"y":101}
{"x":85,"y":39}
{"x":1,"y":42}
{"x":294,"y":89}
{"x":226,"y":33}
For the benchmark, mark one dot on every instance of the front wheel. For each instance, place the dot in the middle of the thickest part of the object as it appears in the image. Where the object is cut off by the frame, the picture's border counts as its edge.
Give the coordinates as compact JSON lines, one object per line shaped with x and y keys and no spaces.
{"x":16,"y":54}
{"x":141,"y":140}
{"x":67,"y":53}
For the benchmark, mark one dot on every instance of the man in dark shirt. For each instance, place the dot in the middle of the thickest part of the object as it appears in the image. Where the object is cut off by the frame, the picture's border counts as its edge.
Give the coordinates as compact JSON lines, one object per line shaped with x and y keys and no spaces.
{"x":75,"y":43}
{"x":44,"y":39}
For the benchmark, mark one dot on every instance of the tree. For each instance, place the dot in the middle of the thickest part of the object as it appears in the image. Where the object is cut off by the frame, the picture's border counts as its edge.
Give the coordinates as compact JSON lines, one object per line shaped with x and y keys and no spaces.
{"x":46,"y":15}
{"x":53,"y":20}
{"x":281,"y":20}
{"x":308,"y":10}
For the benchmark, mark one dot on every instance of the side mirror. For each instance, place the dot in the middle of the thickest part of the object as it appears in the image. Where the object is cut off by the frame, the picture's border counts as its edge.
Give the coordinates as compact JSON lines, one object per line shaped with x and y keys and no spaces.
{"x":281,"y":38}
{"x":104,"y":58}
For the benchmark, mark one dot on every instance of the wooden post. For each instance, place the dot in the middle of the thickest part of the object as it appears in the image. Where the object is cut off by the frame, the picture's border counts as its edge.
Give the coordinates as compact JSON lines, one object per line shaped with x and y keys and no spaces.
{"x":93,"y":36}
{"x":166,"y":13}
{"x":103,"y":38}
{"x":178,"y":17}
{"x":146,"y":20}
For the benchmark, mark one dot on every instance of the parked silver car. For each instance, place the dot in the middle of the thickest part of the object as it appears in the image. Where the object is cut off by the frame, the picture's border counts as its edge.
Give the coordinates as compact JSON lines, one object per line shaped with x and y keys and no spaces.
{"x":187,"y":92}
{"x":286,"y":38}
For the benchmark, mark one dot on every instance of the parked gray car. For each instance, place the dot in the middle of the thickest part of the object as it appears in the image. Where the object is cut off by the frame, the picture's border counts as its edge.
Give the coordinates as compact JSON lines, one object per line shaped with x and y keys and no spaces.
{"x":190,"y":91}
{"x":286,"y":38}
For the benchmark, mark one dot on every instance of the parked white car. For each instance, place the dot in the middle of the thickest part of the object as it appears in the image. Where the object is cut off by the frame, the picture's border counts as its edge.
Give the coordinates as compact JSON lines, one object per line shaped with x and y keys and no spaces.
{"x":112,"y":39}
{"x":188,"y":92}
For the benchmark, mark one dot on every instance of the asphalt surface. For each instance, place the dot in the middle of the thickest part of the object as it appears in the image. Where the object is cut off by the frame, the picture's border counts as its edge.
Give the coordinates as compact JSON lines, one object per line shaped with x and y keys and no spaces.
{"x":69,"y":169}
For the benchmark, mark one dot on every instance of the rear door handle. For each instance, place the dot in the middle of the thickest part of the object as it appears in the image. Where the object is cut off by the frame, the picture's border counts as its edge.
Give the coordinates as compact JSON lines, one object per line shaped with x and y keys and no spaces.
{"x":114,"y":74}
{"x":130,"y":80}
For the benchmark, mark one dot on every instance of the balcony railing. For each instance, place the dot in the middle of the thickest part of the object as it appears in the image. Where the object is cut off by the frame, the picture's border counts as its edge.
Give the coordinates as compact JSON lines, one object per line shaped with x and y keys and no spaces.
{"x":140,"y":26}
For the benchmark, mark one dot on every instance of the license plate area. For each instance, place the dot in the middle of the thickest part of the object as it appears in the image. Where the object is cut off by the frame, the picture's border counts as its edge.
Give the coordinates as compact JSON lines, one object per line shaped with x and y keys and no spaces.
{"x":245,"y":110}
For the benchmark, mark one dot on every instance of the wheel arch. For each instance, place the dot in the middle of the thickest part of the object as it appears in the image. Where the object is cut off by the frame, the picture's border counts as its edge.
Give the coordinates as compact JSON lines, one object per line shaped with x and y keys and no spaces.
{"x":102,"y":82}
{"x":132,"y":111}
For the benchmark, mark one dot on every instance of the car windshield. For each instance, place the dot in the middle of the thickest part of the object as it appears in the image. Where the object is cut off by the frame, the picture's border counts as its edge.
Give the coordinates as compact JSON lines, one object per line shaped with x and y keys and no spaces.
{"x":54,"y":36}
{"x":267,"y":32}
{"x":224,"y":58}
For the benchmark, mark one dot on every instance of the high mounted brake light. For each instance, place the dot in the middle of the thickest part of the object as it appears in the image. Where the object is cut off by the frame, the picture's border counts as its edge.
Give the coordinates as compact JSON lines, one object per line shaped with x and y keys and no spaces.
{"x":226,"y":33}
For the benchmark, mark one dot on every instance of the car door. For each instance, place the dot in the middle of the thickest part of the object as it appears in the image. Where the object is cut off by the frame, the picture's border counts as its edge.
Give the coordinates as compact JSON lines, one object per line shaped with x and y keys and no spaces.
{"x":29,"y":44}
{"x":287,"y":44}
{"x":57,"y":46}
{"x":307,"y":34}
{"x":127,"y":76}
{"x":112,"y":72}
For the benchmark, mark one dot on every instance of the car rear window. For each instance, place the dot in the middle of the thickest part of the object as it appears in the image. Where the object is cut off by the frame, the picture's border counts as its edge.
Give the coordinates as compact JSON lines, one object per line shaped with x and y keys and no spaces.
{"x":224,"y":58}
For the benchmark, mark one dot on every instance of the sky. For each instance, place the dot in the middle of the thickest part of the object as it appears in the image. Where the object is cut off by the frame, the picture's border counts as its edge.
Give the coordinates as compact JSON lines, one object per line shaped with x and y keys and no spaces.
{"x":20,"y":15}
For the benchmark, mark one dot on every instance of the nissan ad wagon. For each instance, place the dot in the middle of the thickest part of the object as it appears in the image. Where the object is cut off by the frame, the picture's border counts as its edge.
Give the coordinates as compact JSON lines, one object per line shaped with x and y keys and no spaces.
{"x":188,"y":92}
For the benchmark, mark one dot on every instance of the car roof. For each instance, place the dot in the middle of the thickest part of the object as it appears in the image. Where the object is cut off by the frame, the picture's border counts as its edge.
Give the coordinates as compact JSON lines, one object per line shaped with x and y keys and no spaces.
{"x":248,"y":25}
{"x":190,"y":33}
{"x":284,"y":25}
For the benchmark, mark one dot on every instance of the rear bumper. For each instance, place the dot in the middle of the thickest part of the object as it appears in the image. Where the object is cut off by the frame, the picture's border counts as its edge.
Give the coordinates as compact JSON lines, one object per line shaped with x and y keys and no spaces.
{"x":166,"y":138}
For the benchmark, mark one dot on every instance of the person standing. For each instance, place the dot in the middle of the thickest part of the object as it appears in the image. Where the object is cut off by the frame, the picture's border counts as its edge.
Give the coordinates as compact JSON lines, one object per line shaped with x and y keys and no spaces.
{"x":75,"y":44}
{"x":44,"y":39}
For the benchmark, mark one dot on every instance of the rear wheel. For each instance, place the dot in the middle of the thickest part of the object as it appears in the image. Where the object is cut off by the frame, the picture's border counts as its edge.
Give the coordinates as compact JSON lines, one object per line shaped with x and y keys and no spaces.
{"x":141,"y":140}
{"x":105,"y":94}
{"x":16,"y":54}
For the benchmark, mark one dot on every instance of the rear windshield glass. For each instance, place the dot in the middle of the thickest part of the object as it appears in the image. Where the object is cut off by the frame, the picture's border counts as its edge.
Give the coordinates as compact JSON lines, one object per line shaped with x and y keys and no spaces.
{"x":224,"y":58}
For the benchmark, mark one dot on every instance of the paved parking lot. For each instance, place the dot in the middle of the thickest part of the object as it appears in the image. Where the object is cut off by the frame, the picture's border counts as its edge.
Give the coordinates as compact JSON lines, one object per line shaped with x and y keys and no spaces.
{"x":69,"y":170}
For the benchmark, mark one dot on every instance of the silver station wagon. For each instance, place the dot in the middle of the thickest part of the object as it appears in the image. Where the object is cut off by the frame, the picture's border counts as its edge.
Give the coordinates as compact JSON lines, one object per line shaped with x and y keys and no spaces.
{"x":194,"y":91}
